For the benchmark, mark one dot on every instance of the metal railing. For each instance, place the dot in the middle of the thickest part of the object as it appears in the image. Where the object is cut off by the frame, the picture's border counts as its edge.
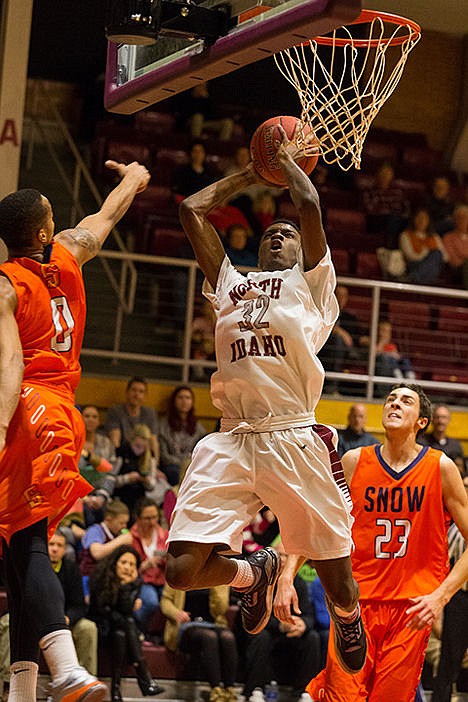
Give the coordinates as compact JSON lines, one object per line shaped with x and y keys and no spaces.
{"x":130,"y":281}
{"x":179,"y":354}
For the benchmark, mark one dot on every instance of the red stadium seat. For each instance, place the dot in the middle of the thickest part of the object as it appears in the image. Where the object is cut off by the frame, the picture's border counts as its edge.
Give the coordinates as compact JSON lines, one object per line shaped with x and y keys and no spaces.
{"x":347,"y":222}
{"x":128,"y":151}
{"x":169,"y":242}
{"x":367,"y":265}
{"x":340,"y":259}
{"x":154,"y":122}
{"x":166,"y":161}
{"x":452,"y":319}
{"x":409,"y":314}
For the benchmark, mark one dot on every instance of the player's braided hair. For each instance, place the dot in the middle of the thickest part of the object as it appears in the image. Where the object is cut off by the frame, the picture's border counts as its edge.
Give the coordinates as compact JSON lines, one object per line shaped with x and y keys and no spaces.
{"x":22,"y":214}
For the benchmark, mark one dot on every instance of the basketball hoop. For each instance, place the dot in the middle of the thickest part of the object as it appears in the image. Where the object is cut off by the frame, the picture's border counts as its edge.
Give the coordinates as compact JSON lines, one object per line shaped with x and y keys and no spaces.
{"x":342,"y":89}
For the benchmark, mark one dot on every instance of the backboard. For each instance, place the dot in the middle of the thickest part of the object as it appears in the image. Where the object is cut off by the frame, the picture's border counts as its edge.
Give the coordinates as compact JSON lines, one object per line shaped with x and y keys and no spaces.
{"x":139,"y":76}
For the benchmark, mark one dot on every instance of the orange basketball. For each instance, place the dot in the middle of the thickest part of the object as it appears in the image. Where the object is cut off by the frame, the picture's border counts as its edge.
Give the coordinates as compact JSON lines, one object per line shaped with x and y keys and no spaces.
{"x":264,"y":145}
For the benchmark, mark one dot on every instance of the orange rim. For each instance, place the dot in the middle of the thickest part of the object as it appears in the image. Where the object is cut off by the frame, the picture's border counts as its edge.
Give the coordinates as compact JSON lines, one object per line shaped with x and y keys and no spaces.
{"x":368,"y":16}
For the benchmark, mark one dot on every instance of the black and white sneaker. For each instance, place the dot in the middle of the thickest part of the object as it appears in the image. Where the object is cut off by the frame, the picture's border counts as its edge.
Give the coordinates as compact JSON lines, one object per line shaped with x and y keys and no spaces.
{"x":350,"y":640}
{"x":256,"y":603}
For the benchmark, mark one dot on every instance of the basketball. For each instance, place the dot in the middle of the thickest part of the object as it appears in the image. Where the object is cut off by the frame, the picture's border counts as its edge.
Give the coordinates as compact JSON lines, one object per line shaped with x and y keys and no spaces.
{"x":264,"y":145}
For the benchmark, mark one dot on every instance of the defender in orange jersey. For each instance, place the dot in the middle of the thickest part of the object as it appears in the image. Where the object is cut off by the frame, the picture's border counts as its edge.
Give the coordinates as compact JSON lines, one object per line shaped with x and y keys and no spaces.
{"x":42,"y":319}
{"x":404,"y":496}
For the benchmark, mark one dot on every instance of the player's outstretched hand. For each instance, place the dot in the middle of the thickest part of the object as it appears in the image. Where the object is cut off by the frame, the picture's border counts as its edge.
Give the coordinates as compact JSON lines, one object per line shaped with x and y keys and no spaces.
{"x":298,"y":146}
{"x":425,"y":609}
{"x":131,"y":170}
{"x":285,"y":601}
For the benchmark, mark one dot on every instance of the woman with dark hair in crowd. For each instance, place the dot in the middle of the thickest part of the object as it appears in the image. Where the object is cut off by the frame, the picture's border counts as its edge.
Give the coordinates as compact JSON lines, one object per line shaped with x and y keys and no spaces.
{"x":115,"y":589}
{"x":178,"y":433}
{"x":422,"y":249}
{"x":149,"y":540}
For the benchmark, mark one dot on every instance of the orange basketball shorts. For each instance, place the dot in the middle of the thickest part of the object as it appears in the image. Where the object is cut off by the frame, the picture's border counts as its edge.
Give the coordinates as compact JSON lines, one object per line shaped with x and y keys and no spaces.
{"x":395,"y":657}
{"x":39,"y":474}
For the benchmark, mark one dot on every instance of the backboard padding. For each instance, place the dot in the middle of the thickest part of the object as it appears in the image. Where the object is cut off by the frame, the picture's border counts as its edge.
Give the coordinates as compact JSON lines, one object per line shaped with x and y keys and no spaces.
{"x":264,"y":35}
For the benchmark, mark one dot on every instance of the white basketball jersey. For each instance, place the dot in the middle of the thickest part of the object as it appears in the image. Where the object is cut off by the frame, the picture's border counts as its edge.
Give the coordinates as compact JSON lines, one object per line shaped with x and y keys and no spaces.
{"x":270,"y":327}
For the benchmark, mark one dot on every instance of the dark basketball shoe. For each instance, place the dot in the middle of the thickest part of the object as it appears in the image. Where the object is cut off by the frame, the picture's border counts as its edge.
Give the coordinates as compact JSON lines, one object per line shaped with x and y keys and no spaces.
{"x":257,"y":601}
{"x":350,"y":641}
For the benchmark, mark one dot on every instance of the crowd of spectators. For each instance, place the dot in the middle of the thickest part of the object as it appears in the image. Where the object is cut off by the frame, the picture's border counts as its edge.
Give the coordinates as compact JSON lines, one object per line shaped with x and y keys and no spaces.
{"x":413,"y":213}
{"x":113,"y":576}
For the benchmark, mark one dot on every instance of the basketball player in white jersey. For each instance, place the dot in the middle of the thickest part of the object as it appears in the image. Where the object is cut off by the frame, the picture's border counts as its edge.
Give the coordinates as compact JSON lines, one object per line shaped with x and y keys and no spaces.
{"x":270,"y":450}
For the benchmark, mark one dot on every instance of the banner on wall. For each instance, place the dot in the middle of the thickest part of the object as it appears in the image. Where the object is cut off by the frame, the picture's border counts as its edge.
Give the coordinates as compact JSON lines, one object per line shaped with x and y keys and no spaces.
{"x":15,"y":18}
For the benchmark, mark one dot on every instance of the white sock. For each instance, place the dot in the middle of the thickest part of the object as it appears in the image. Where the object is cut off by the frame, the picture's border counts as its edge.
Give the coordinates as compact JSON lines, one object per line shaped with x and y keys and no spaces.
{"x":244,"y":577}
{"x":23,"y":681}
{"x":59,"y":652}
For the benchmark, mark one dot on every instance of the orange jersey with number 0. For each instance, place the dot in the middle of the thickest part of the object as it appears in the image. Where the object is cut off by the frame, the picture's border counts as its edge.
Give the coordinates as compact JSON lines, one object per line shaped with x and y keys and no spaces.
{"x":39,"y":475}
{"x":50,"y":313}
{"x":400,"y":526}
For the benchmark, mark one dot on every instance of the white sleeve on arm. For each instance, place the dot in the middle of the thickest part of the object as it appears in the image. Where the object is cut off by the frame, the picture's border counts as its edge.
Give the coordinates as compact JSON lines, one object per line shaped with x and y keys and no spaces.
{"x":322,"y":283}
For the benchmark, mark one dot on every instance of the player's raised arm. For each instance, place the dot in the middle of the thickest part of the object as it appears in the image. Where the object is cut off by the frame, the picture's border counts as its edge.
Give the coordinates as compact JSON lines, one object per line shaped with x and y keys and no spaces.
{"x":11,"y":357}
{"x":305,"y":198}
{"x":194,"y":210}
{"x":86,"y":239}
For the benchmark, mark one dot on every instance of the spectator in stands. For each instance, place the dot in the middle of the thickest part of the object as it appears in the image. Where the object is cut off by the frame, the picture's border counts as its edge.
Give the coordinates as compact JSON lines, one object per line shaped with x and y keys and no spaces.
{"x":195,"y":175}
{"x":115,"y":590}
{"x":346,"y":342}
{"x":386,"y":206}
{"x":438,"y":439}
{"x":198,"y":112}
{"x":180,"y":431}
{"x":202,"y":342}
{"x":122,"y":418}
{"x":149,"y":541}
{"x":237,"y":238}
{"x":285,"y":652}
{"x":389,"y":361}
{"x":355,"y":433}
{"x":260,"y":532}
{"x":96,"y":462}
{"x":102,"y":539}
{"x":197,"y":625}
{"x":422,"y":248}
{"x":136,"y":468}
{"x":456,"y":246}
{"x":440,"y":205}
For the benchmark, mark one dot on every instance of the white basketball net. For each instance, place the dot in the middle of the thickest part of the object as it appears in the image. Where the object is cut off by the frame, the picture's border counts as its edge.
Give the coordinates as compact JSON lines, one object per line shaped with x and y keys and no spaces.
{"x":340,"y":100}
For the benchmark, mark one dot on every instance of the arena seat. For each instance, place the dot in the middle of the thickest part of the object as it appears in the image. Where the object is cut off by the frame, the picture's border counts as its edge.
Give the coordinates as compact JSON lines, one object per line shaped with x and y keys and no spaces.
{"x":375,"y":152}
{"x":154,"y":122}
{"x":418,"y":162}
{"x":340,"y":259}
{"x":343,"y":221}
{"x":128,"y":151}
{"x":409,"y":314}
{"x":169,"y":242}
{"x":165,"y":163}
{"x":367,"y":265}
{"x":453,"y":319}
